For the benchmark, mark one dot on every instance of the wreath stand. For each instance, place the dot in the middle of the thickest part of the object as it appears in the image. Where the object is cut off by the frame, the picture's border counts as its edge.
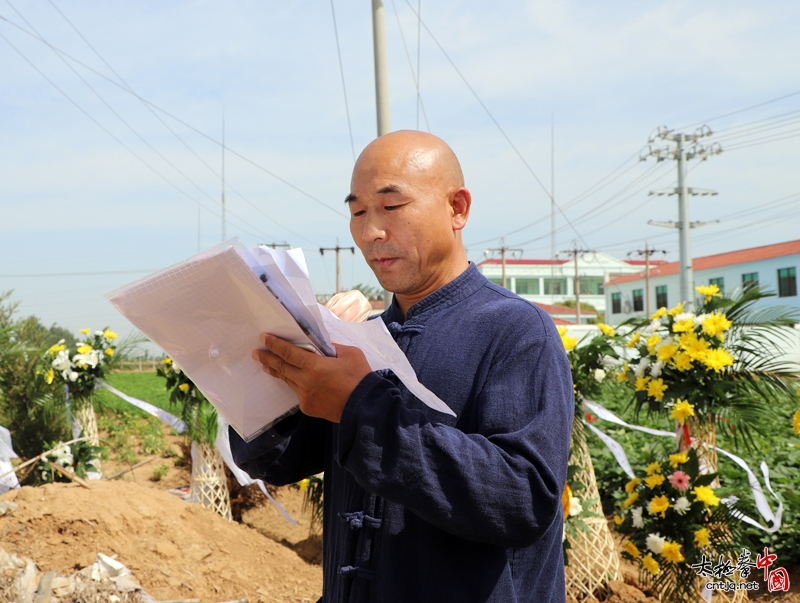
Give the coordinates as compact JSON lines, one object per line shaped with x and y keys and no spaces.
{"x":593,"y":557}
{"x":209,"y":486}
{"x":87,"y":421}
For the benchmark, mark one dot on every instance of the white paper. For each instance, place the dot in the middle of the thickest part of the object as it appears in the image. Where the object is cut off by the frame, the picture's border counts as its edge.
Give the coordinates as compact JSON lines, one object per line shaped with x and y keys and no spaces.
{"x":208,"y":312}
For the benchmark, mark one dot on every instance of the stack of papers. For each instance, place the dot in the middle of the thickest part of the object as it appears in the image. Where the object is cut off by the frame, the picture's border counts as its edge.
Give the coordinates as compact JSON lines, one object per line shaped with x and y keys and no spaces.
{"x":208,"y":312}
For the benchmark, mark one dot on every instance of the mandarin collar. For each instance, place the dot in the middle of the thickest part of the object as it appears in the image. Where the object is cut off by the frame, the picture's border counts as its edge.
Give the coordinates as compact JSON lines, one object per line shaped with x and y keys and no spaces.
{"x":461,"y":287}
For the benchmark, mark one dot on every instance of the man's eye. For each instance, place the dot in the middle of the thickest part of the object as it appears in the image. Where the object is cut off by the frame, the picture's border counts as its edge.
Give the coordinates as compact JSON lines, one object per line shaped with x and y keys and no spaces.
{"x":392,"y":207}
{"x":355,"y":214}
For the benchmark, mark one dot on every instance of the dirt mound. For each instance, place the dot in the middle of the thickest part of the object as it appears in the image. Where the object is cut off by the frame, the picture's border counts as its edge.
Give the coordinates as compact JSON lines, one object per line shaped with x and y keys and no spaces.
{"x":175,"y":549}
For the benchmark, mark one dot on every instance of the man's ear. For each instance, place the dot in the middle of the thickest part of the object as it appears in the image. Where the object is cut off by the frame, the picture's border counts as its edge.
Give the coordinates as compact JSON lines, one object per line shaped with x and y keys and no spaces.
{"x":460,"y":203}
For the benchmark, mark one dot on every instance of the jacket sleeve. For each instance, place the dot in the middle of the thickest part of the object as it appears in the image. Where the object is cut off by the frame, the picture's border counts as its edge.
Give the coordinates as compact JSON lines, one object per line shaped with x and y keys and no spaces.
{"x":292,"y":450}
{"x":501,"y":485}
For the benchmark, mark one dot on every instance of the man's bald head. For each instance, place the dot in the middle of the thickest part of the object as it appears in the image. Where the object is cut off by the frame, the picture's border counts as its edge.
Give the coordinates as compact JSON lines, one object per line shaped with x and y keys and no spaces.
{"x":408,"y":205}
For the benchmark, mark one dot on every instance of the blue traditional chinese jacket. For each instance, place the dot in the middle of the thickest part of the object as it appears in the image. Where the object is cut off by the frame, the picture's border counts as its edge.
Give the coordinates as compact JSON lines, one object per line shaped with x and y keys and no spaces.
{"x":425,"y":507}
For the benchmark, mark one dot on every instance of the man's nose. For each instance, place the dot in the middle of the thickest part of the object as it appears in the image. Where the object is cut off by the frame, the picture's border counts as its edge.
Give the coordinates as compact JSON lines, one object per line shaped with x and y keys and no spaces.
{"x":373,"y":229}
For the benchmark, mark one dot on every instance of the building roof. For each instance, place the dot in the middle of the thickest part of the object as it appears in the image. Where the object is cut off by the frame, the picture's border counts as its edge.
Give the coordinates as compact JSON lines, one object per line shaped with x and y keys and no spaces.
{"x":559,"y":310}
{"x":753,"y":254}
{"x":512,"y":262}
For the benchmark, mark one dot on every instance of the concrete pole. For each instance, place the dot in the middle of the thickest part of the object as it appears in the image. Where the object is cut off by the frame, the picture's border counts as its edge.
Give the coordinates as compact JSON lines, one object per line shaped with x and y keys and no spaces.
{"x":577,"y":284}
{"x":684,"y":228}
{"x":503,"y":263}
{"x":381,"y":86}
{"x":647,"y":279}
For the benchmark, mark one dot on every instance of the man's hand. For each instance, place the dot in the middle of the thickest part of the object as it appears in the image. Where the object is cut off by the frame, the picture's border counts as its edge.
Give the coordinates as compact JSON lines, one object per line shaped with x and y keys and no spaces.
{"x":322,"y":384}
{"x":352,"y":306}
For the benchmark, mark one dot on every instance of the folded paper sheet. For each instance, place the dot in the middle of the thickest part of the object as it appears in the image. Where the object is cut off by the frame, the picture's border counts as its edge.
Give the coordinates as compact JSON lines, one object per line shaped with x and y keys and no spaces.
{"x":207,"y":314}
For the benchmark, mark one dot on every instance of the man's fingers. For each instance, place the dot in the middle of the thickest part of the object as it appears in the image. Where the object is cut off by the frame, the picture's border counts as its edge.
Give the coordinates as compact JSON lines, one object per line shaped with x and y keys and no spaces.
{"x":276,"y":366}
{"x":289,"y":352}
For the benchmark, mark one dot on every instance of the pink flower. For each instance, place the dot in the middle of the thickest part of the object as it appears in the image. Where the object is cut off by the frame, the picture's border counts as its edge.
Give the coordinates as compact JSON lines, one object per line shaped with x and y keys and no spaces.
{"x":679,"y":480}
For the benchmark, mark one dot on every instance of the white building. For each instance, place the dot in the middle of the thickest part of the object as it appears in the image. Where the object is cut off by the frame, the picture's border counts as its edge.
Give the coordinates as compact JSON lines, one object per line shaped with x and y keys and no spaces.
{"x":553,"y":281}
{"x":773,"y":267}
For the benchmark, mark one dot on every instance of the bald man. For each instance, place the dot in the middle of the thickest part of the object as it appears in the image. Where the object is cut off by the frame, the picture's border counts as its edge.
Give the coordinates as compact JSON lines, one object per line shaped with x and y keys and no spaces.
{"x":421,"y":506}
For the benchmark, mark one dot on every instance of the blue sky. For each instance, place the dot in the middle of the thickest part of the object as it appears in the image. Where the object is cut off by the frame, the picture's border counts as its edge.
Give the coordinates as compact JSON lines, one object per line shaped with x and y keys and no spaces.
{"x":75,"y":200}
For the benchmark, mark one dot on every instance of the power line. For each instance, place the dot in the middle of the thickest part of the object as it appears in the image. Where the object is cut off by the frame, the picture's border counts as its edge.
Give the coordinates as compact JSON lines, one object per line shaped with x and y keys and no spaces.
{"x":170,"y":115}
{"x":767,"y":102}
{"x":344,"y":88}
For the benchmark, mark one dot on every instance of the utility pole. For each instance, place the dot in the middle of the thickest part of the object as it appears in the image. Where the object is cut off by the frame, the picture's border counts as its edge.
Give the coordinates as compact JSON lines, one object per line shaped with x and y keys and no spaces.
{"x":275,"y":245}
{"x":681,"y":153}
{"x":575,"y":253}
{"x":646,"y":252}
{"x":337,"y":249}
{"x":503,"y":250}
{"x":381,"y":86}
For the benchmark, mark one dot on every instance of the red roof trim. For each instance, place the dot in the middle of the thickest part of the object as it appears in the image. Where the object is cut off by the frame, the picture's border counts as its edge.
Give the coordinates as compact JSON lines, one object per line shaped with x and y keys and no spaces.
{"x":511,"y":262}
{"x":709,"y":262}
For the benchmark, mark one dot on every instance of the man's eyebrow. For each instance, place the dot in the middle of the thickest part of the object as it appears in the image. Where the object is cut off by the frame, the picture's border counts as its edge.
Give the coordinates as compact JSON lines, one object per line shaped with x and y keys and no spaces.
{"x":350,"y":197}
{"x":392,"y":188}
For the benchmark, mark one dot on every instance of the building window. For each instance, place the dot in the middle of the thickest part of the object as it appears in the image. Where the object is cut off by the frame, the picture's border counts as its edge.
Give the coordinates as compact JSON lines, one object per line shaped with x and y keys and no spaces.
{"x":527,"y":286}
{"x":787,"y":282}
{"x":638,"y":300}
{"x":616,"y":303}
{"x":749,"y":280}
{"x":719,"y":282}
{"x":661,"y":296}
{"x":591,"y":285}
{"x":555,"y":286}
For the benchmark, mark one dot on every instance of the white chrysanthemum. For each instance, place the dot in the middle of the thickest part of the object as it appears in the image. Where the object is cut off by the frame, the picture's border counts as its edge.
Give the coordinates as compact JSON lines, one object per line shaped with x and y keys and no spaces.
{"x":655,"y":543}
{"x":61,"y":362}
{"x":599,"y":375}
{"x":98,"y":333}
{"x":650,"y":329}
{"x":656,"y":368}
{"x":609,"y":362}
{"x":641,"y":367}
{"x":698,"y":320}
{"x":636,"y":515}
{"x":91,"y":358}
{"x":685,"y":316}
{"x":681,"y":505}
{"x":72,"y":376}
{"x":575,"y":507}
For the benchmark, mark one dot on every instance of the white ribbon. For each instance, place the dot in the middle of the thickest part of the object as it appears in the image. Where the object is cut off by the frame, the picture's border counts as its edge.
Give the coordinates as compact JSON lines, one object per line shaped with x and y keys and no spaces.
{"x":222,"y":443}
{"x":758,"y":494}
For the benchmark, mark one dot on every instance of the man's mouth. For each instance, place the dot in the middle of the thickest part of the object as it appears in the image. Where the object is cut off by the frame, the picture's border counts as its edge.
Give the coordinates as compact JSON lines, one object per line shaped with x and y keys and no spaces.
{"x":384,"y":262}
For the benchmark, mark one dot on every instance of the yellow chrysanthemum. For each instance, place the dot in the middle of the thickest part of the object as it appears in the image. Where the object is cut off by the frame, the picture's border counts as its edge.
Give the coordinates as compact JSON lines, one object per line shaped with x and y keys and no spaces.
{"x":654,"y":467}
{"x":49,"y":376}
{"x":659,"y":504}
{"x":84,"y":348}
{"x":619,"y":520}
{"x":718,"y":359}
{"x":632,"y":550}
{"x":681,"y":410}
{"x":167,"y":361}
{"x":651,"y":565}
{"x":651,"y":481}
{"x":716,"y":324}
{"x":796,"y":422}
{"x":652,"y":342}
{"x":705,"y":495}
{"x":622,"y":373}
{"x":184,"y":387}
{"x":641,"y":384}
{"x":85,"y":331}
{"x":109,"y":351}
{"x":666,"y":352}
{"x":682,"y":361}
{"x":678,"y":459}
{"x":303,"y":484}
{"x":683,"y":326}
{"x":631,"y":485}
{"x":568,"y":342}
{"x":672,"y":552}
{"x":658,"y":313}
{"x":702,"y":537}
{"x":694,"y":347}
{"x":677,"y":309}
{"x":656,"y":389}
{"x":606,"y":329}
{"x":56,"y":348}
{"x":634,"y":340}
{"x":108,"y":334}
{"x":630,"y":500}
{"x":709,"y":291}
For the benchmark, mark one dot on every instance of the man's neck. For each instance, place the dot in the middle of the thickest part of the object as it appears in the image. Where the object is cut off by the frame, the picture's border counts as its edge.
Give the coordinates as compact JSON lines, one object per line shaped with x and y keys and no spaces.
{"x":406,"y":300}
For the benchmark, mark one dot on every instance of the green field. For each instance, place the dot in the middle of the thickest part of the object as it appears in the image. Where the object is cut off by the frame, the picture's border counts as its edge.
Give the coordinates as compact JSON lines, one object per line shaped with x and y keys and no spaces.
{"x":144,"y":386}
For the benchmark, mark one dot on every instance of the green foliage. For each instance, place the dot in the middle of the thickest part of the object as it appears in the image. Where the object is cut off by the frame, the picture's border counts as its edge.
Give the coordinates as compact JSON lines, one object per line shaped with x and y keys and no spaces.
{"x":144,"y":386}
{"x":30,"y":408}
{"x":128,"y":434}
{"x":197,"y":413}
{"x":159,"y":473}
{"x":312,"y":489}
